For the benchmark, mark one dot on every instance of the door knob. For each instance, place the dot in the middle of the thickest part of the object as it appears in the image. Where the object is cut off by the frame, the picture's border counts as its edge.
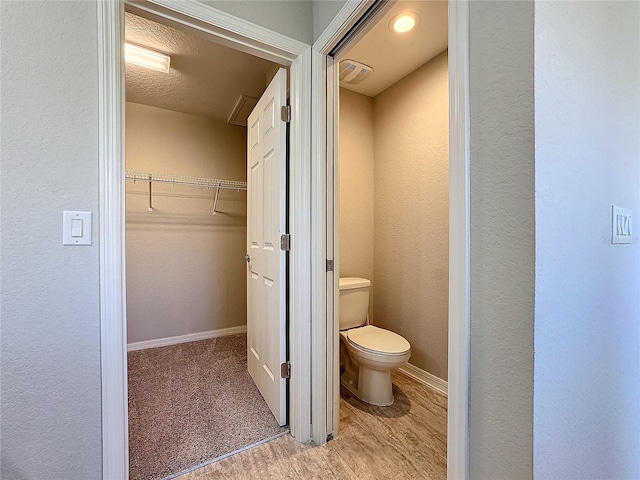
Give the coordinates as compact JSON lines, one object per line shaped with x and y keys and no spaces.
{"x":247,"y":258}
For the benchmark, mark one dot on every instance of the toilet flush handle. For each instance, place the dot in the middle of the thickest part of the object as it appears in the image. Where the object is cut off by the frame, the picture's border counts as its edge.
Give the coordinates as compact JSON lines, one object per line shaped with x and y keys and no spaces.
{"x":247,"y":258}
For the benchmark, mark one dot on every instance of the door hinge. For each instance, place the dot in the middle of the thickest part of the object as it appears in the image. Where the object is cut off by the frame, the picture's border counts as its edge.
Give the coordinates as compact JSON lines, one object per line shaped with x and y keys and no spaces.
{"x":329,"y":265}
{"x":285,"y":113}
{"x":285,"y":370}
{"x":285,"y":242}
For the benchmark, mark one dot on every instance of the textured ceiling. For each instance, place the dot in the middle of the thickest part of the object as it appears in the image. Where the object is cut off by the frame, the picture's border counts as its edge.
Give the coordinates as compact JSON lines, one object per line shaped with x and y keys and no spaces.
{"x":392,"y":55}
{"x":206,"y":78}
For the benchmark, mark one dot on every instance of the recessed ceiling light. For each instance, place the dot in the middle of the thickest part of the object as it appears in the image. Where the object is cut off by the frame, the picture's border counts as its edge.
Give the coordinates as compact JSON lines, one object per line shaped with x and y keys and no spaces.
{"x":144,"y":57}
{"x":404,"y":22}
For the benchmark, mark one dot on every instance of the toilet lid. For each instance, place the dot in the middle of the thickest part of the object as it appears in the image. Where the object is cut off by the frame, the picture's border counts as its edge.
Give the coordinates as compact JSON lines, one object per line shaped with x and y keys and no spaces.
{"x":378,"y":340}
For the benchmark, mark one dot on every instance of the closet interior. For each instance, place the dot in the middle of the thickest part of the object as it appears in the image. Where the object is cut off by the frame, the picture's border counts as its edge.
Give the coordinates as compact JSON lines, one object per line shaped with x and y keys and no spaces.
{"x":191,"y":399}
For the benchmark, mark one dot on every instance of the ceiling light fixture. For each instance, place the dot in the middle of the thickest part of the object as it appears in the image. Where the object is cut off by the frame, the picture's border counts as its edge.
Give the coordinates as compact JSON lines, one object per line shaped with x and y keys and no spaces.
{"x":404,"y":22}
{"x":144,"y":57}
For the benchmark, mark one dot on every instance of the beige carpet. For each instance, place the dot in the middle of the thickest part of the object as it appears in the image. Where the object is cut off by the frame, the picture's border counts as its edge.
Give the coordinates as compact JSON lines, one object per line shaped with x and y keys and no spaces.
{"x":191,"y":403}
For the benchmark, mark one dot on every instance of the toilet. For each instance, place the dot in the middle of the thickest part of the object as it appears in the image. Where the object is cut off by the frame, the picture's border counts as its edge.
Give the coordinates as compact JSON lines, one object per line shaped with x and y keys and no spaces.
{"x":369,"y":353}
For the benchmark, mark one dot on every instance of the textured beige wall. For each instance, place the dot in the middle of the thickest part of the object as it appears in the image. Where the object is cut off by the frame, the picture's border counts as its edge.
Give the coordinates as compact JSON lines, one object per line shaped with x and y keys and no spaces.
{"x":356,"y":186}
{"x":323,"y":13}
{"x":411,"y":241}
{"x":394,"y":207}
{"x":50,"y":342}
{"x":586,"y":377}
{"x":502,"y":178}
{"x":185,"y":272}
{"x":293,"y":18}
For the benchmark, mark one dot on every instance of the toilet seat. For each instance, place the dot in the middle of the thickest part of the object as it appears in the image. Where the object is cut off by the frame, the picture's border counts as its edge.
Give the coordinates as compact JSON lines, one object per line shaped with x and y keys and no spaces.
{"x":378,"y":340}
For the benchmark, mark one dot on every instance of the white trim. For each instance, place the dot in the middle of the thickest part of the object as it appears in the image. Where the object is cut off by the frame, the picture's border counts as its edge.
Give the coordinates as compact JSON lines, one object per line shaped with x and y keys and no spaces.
{"x":113,"y":356}
{"x":424,"y":377}
{"x":189,"y":337}
{"x":459,"y":243}
{"x":324,"y":331}
{"x":319,"y":354}
{"x":346,"y":18}
{"x":249,"y":38}
{"x":333,"y":252}
{"x":300,"y":254}
{"x":228,"y":29}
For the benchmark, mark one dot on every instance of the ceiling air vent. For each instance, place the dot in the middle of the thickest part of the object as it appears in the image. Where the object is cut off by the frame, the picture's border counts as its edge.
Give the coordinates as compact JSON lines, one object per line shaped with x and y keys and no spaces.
{"x":353,"y":72}
{"x":241,"y":111}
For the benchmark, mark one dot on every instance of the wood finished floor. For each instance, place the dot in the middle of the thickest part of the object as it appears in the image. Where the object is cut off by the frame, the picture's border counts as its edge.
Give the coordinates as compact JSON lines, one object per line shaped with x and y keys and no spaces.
{"x":404,"y":441}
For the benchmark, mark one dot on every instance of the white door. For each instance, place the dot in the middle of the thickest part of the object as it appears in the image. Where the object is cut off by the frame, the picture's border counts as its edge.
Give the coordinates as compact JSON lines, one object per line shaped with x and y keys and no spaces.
{"x":266,"y":272}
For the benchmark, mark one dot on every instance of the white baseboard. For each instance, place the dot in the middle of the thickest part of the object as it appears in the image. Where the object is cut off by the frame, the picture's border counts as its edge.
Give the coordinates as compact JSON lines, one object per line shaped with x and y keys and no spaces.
{"x":191,"y":337}
{"x":426,"y":378}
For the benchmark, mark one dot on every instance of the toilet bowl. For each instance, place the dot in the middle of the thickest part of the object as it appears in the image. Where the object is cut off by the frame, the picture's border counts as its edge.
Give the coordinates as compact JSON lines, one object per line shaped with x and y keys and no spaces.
{"x":369,"y":353}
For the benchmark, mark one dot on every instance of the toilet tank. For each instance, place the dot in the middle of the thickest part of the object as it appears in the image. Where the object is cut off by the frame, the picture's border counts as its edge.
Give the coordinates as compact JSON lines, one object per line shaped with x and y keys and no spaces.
{"x":354,"y":302}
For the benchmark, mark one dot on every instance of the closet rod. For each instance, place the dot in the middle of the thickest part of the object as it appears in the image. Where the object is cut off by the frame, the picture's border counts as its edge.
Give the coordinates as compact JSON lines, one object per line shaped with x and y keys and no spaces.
{"x":185,"y":180}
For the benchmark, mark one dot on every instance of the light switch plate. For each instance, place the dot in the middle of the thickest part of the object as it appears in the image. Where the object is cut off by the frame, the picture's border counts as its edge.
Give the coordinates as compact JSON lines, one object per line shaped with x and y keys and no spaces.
{"x":69,"y":218}
{"x":620,"y":225}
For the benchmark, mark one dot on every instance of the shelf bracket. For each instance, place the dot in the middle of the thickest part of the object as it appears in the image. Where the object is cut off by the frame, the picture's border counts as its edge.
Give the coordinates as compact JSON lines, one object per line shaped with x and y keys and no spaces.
{"x":215,"y":200}
{"x":150,"y":205}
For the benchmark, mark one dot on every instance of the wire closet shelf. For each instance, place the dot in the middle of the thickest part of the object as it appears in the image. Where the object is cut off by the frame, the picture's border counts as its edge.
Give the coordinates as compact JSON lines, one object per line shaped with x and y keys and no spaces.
{"x":186,"y":180}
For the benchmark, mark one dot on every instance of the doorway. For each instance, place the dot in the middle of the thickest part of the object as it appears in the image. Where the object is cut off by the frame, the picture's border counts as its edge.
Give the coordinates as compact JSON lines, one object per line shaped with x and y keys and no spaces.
{"x":249,"y":38}
{"x":393,"y":226}
{"x":192,"y":396}
{"x":344,"y":30}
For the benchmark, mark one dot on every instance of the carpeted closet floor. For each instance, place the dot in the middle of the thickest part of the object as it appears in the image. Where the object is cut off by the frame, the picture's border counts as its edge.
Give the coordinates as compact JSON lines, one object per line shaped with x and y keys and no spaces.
{"x":190,"y":403}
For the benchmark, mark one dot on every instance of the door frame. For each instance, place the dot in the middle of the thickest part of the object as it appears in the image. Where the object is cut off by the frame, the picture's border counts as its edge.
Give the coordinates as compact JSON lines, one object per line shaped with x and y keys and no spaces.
{"x":325,"y":110}
{"x":241,"y":35}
